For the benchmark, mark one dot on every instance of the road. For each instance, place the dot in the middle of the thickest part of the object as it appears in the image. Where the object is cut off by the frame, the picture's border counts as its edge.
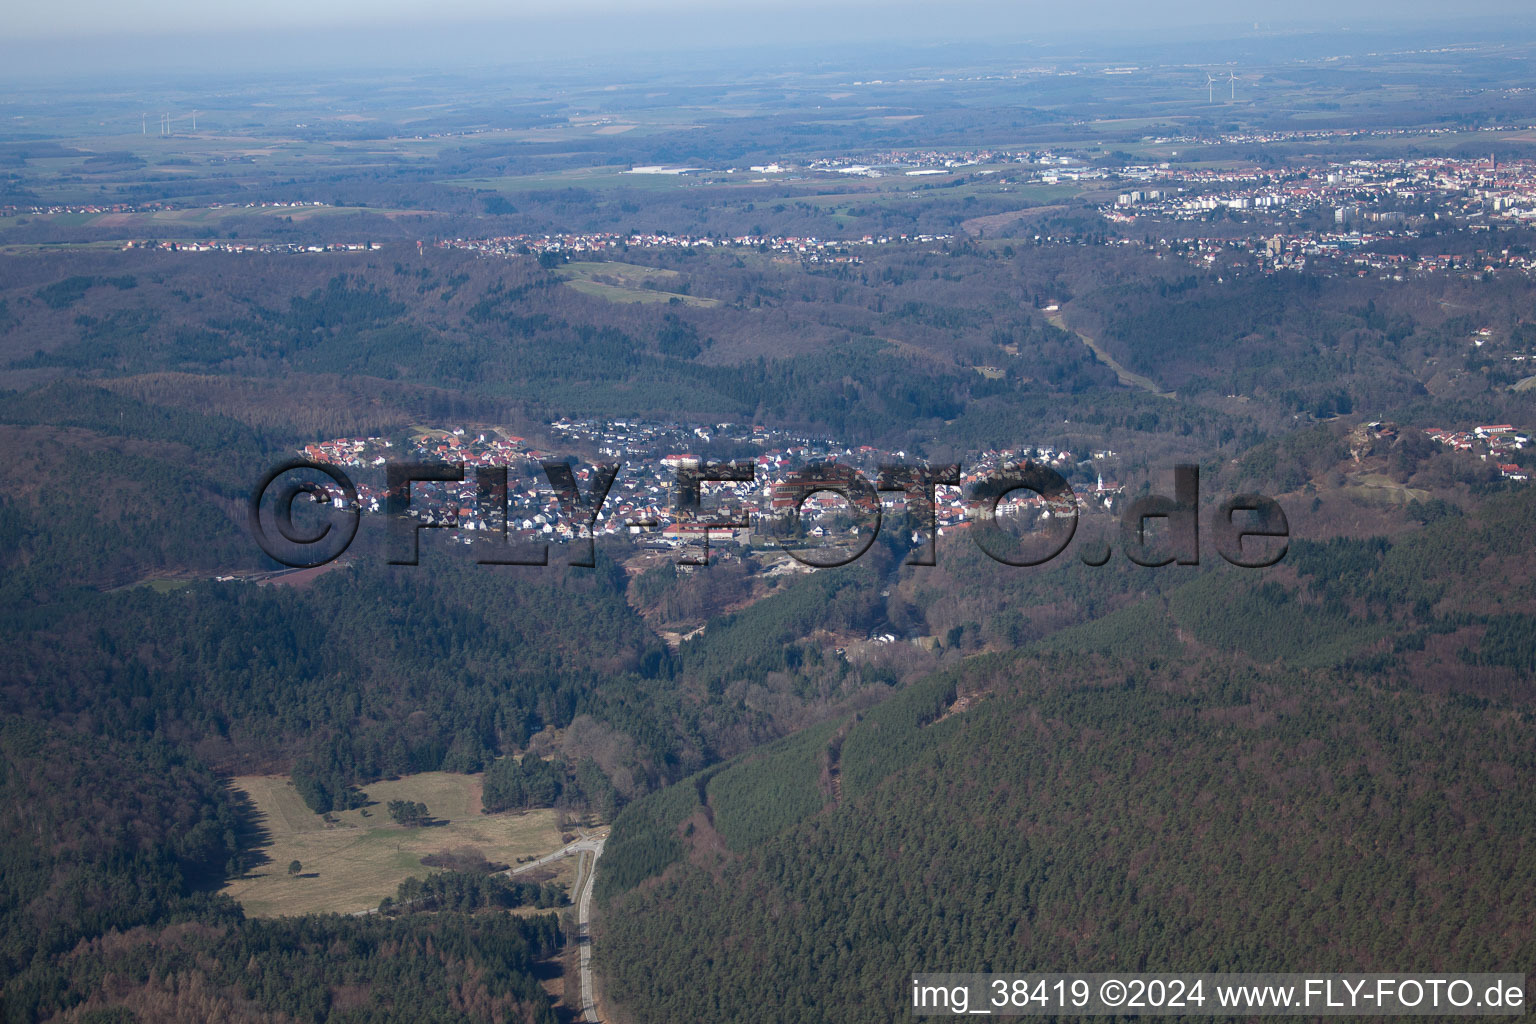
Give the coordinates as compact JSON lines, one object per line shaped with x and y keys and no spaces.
{"x":592,"y":842}
{"x":584,"y":933}
{"x":586,"y":871}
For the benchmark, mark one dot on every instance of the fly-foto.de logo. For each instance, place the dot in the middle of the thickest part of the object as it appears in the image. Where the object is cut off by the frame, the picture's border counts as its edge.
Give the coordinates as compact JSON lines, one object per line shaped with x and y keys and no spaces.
{"x":823,"y":515}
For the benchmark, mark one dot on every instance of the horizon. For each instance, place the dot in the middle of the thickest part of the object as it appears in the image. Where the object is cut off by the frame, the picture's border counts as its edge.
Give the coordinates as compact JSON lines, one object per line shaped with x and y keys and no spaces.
{"x":59,"y":46}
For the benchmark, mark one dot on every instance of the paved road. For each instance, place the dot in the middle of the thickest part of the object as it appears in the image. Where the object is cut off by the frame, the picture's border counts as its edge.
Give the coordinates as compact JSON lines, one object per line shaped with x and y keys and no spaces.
{"x":584,"y":933}
{"x":586,"y":871}
{"x":571,"y":849}
{"x":593,"y":843}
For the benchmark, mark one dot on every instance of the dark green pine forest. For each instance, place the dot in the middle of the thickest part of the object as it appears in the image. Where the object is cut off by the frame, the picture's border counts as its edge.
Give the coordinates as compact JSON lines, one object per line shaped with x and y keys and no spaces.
{"x":1238,"y":775}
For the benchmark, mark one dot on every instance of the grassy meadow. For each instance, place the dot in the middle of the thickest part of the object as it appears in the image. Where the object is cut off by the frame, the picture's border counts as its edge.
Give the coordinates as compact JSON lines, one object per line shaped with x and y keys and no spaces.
{"x":352,"y":864}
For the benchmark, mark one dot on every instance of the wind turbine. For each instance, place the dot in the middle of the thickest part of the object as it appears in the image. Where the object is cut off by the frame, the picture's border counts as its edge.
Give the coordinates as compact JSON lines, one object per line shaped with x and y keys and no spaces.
{"x":1210,"y":87}
{"x":1232,"y":77}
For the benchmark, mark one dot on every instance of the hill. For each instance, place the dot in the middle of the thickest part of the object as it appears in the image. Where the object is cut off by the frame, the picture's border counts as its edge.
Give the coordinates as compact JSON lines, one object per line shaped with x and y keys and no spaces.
{"x":1321,"y":770}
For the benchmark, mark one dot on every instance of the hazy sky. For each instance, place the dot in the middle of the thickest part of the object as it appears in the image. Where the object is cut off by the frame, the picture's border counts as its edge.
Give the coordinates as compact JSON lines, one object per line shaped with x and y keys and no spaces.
{"x":42,"y":40}
{"x":79,"y":18}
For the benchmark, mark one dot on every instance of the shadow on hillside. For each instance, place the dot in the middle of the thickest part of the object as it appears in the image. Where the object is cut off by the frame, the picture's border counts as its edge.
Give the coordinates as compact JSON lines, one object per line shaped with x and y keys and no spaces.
{"x":252,"y":837}
{"x":548,"y":973}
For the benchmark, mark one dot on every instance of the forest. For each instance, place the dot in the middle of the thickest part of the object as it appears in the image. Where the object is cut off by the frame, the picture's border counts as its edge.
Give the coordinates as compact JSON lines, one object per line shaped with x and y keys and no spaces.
{"x":107,"y":909}
{"x":1334,"y":790}
{"x":815,"y":781}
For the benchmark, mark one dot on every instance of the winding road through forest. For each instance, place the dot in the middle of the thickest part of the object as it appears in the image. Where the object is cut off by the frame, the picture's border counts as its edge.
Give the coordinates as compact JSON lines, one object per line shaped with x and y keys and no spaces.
{"x":581,"y":896}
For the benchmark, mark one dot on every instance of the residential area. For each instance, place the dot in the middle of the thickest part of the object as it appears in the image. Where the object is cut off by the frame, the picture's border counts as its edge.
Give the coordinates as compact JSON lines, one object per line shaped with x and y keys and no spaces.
{"x":643,"y":502}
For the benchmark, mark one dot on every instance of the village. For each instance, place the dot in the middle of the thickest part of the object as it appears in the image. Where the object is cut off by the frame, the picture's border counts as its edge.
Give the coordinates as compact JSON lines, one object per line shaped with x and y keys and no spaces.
{"x":642,"y":503}
{"x":795,"y":479}
{"x":220,"y":245}
{"x":804,"y":249}
{"x":153,"y":206}
{"x":1349,"y":218}
{"x":1496,"y":443}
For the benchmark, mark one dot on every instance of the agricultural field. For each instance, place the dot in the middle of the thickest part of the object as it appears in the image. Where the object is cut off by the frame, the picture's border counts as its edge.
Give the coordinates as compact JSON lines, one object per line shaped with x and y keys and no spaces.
{"x":1378,"y":487}
{"x":584,"y":177}
{"x":628,"y":282}
{"x":352,"y":864}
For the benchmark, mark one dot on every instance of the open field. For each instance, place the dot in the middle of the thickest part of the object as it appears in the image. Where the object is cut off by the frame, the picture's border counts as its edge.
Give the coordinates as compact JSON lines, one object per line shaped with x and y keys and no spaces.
{"x":584,"y":177}
{"x":998,"y":221}
{"x":167,"y":223}
{"x":1378,"y":487}
{"x":627,"y":275}
{"x":38,"y":247}
{"x":627,"y":282}
{"x":353,"y":864}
